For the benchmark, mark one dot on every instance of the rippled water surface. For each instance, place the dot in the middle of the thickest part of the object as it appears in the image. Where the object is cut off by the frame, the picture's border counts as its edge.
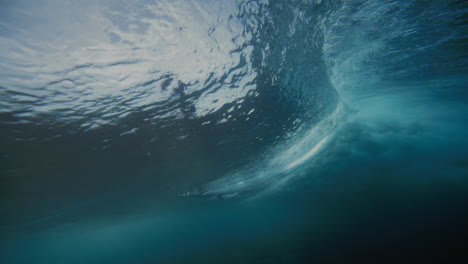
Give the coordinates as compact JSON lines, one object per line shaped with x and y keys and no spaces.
{"x":232,"y":131}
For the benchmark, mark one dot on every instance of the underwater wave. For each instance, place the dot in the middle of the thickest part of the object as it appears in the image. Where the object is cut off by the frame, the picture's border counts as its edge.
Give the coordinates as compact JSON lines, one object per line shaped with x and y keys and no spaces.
{"x":173,"y":93}
{"x":233,"y":131}
{"x":195,"y":98}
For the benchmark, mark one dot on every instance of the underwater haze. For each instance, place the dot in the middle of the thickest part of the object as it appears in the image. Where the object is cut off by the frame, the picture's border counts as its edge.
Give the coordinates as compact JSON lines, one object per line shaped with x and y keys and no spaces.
{"x":233,"y":131}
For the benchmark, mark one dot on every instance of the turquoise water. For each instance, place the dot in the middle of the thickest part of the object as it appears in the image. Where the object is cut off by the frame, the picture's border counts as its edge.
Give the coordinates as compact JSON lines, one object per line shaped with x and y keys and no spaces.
{"x":233,"y":131}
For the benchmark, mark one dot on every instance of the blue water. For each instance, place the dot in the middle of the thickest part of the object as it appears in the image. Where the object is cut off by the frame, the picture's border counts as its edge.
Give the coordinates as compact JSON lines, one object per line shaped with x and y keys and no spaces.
{"x":233,"y":131}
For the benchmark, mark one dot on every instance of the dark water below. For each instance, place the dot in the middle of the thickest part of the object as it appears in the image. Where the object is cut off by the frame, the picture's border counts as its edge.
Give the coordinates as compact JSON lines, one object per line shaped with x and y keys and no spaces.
{"x":233,"y":131}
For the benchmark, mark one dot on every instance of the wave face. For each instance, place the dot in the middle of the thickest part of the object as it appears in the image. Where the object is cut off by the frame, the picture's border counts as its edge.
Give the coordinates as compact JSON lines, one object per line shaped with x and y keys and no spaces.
{"x":111,"y":110}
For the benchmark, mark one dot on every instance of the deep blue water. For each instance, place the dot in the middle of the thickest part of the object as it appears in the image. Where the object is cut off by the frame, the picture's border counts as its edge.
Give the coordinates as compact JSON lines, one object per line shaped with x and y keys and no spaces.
{"x":233,"y":131}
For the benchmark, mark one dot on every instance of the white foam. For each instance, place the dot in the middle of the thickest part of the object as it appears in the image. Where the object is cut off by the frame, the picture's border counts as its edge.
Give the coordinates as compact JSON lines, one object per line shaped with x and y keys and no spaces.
{"x":308,"y":155}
